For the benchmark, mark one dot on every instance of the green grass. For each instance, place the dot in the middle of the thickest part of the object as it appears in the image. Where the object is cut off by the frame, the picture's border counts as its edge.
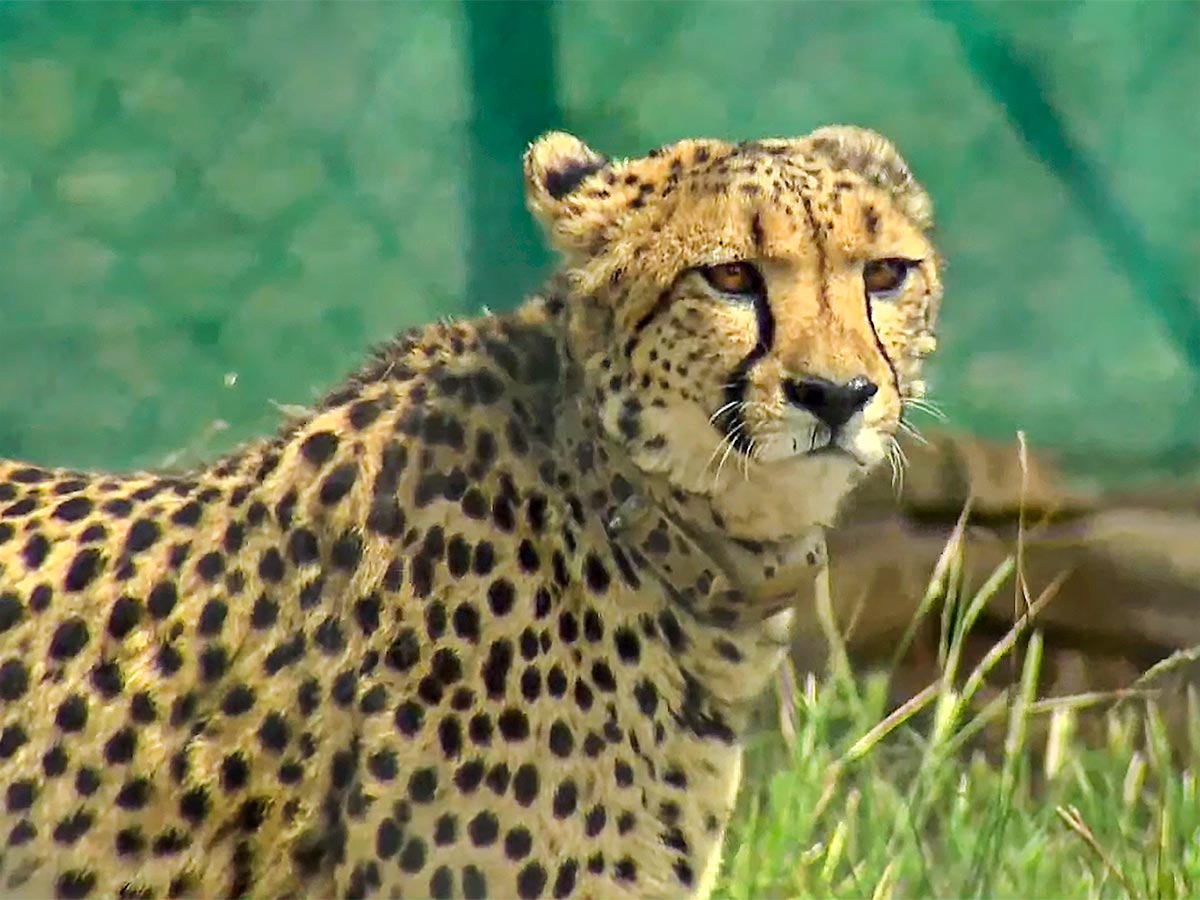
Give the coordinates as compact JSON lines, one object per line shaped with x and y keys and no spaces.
{"x":965,"y":792}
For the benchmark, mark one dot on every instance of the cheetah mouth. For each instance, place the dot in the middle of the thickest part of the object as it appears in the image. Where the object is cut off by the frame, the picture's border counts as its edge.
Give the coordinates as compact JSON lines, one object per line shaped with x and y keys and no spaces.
{"x":835,"y":449}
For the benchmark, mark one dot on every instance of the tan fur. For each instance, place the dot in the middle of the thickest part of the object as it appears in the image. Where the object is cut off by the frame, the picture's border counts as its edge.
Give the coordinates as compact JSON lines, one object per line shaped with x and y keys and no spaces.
{"x":491,"y":619}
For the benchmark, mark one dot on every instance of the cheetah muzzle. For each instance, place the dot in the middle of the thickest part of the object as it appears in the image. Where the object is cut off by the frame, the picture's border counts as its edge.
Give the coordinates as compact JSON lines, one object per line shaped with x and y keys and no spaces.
{"x":491,"y":620}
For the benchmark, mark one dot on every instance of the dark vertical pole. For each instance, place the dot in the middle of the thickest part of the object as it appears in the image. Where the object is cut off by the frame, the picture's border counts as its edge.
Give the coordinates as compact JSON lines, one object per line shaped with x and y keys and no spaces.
{"x":511,"y":75}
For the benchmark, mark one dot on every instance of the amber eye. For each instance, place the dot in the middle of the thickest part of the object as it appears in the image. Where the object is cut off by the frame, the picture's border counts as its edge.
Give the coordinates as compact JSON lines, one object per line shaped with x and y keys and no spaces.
{"x":733,"y":278}
{"x":885,"y":277}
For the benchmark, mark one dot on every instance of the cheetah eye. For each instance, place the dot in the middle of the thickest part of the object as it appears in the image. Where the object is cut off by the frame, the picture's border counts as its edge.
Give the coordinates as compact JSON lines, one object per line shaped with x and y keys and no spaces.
{"x":885,"y":278}
{"x":739,"y":278}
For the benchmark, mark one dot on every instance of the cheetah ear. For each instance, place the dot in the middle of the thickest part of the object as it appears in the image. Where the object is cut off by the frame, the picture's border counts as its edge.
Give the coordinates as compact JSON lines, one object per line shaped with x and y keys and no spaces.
{"x":556,"y":165}
{"x":875,"y":158}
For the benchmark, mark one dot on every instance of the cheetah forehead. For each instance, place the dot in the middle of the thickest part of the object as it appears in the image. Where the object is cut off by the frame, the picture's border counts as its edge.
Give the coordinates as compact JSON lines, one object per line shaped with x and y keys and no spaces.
{"x":695,"y":201}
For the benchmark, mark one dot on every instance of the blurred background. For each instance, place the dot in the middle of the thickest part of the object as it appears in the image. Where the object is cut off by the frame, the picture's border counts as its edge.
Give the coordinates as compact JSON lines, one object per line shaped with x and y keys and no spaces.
{"x":208,"y":209}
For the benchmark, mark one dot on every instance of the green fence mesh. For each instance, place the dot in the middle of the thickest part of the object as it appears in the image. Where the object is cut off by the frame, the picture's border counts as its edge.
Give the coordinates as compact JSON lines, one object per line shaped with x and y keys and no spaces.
{"x":208,"y":208}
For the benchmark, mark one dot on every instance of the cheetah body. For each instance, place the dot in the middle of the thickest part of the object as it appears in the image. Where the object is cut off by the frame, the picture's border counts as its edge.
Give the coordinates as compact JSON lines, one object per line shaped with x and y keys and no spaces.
{"x":491,"y":620}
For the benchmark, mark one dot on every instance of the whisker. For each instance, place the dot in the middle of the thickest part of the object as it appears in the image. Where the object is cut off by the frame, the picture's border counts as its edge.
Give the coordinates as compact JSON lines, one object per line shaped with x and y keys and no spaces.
{"x":729,"y":405}
{"x":927,"y":406}
{"x":913,"y":432}
{"x":721,"y":465}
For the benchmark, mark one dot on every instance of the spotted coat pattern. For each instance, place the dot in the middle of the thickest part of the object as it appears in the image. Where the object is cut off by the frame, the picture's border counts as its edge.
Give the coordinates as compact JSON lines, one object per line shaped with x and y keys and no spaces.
{"x":490,"y":620}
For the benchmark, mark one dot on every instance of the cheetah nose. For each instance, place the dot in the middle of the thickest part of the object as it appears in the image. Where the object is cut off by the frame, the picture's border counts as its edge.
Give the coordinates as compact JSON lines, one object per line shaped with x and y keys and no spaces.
{"x":829,"y":401}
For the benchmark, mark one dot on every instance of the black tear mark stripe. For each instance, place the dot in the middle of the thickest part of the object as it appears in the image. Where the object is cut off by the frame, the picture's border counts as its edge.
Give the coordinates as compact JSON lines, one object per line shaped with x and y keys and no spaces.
{"x":822,"y":259}
{"x":731,"y":422}
{"x":879,"y":341}
{"x":756,"y":229}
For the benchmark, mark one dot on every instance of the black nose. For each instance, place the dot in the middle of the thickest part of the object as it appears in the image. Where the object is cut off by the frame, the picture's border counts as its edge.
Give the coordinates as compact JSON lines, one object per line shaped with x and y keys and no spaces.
{"x":829,"y":401}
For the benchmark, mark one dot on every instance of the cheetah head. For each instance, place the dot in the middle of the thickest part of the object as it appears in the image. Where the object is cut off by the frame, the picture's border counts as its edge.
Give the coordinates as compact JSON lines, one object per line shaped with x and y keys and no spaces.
{"x":750,"y":318}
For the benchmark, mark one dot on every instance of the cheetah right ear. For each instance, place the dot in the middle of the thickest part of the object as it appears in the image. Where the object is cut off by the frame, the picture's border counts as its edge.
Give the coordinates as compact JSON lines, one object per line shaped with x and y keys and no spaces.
{"x":556,"y":166}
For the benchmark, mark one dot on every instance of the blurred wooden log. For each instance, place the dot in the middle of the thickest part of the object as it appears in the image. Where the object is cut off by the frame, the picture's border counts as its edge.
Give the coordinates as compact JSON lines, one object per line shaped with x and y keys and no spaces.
{"x":1131,"y":564}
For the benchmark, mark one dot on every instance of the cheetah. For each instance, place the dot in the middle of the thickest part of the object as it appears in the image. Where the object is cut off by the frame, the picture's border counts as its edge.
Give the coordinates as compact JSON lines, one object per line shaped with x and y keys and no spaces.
{"x":490,"y":620}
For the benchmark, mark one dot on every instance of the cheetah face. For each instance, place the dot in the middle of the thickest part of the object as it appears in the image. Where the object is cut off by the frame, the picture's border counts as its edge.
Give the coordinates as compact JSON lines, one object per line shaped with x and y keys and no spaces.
{"x":751,"y":317}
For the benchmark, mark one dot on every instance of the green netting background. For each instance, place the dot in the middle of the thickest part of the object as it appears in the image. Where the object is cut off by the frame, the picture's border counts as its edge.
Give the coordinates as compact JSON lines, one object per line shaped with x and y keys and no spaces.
{"x":208,"y":209}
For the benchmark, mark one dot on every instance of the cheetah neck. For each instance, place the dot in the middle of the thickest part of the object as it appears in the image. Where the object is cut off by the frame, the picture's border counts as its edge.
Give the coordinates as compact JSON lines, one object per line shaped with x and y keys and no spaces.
{"x":727,"y":603}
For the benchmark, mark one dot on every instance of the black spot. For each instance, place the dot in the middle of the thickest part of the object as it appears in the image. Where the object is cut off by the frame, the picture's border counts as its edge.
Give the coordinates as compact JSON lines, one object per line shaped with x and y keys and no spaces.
{"x":595,"y":575}
{"x":318,"y":448}
{"x":12,"y":739}
{"x":284,"y":655}
{"x":514,"y":725}
{"x":483,"y":829}
{"x":468,"y":776}
{"x":329,"y":637}
{"x":602,"y":676}
{"x":212,"y":618}
{"x":169,"y":660}
{"x":126,"y":613}
{"x":119,"y":748}
{"x":531,"y":881}
{"x":210,"y":566}
{"x":374,"y":700}
{"x":422,"y":785}
{"x":347,"y":551}
{"x":450,"y":737}
{"x":405,"y":651}
{"x":39,"y":597}
{"x":238,"y":700}
{"x":194,"y":804}
{"x":86,"y":565}
{"x":162,"y":599}
{"x":445,"y":830}
{"x":473,"y":883}
{"x":235,"y":772}
{"x":412,"y":858}
{"x":73,"y":510}
{"x":20,"y":795}
{"x":35,"y":550}
{"x":75,"y":884}
{"x":130,"y":842}
{"x":70,"y":829}
{"x":363,"y":413}
{"x":188,"y":514}
{"x":273,"y":733}
{"x":445,"y":666}
{"x":441,"y":884}
{"x":69,"y":638}
{"x":435,"y":620}
{"x":141,"y":708}
{"x":565,"y":799}
{"x":337,"y":484}
{"x":55,"y":761}
{"x":525,"y":784}
{"x":142,"y":534}
{"x":408,"y":718}
{"x":308,"y":695}
{"x":562,"y":742}
{"x":564,"y":882}
{"x":517,"y":843}
{"x":302,"y":547}
{"x":683,"y":871}
{"x":270,"y":566}
{"x":366,"y":613}
{"x":11,"y":611}
{"x":498,"y":779}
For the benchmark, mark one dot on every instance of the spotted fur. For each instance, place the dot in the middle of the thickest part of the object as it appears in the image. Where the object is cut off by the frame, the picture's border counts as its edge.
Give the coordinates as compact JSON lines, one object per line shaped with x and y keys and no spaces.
{"x":490,"y":620}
